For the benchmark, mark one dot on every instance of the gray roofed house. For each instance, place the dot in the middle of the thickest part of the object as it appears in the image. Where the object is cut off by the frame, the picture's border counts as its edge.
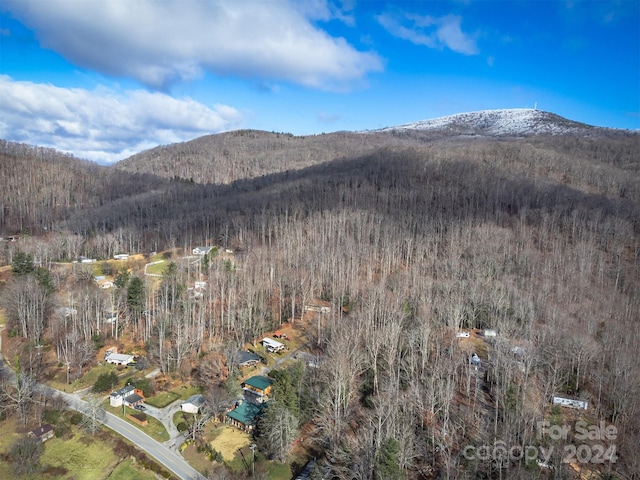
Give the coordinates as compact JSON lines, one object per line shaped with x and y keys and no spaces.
{"x":128,"y":395}
{"x":245,"y":359}
{"x":193,"y":404}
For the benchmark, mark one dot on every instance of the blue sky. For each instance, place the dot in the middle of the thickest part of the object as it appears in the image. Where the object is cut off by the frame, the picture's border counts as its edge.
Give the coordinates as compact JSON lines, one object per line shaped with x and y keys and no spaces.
{"x":106,"y":79}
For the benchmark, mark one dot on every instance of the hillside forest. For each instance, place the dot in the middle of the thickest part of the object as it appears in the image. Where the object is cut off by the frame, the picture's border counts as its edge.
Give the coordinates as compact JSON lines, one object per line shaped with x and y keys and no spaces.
{"x":531,"y":245}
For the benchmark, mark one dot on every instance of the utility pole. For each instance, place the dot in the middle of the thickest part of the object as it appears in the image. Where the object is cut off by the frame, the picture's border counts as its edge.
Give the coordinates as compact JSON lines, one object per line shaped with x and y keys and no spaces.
{"x":253,"y":460}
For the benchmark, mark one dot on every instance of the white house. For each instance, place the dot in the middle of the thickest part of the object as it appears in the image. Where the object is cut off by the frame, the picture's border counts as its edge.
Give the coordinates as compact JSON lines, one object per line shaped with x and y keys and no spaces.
{"x":201,"y":250}
{"x":117,"y":397}
{"x":120,"y":359}
{"x":569,"y":402}
{"x":128,"y":395}
{"x":273,"y":346}
{"x":121,"y":256}
{"x":193,"y":404}
{"x":317,"y":308}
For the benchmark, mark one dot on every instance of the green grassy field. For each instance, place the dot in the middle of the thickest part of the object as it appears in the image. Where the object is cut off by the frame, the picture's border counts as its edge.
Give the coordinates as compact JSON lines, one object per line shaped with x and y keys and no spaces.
{"x":182,"y":417}
{"x":186,"y":391}
{"x":158,"y":268}
{"x":82,"y":457}
{"x":162,"y":400}
{"x":128,"y":470}
{"x":87,"y":457}
{"x":154,"y":429}
{"x":278,"y":471}
{"x":90,"y":377}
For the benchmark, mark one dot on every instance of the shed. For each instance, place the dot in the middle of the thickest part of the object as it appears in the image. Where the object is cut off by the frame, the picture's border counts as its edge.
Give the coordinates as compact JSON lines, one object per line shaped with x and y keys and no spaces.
{"x":193,"y":404}
{"x":43,"y":433}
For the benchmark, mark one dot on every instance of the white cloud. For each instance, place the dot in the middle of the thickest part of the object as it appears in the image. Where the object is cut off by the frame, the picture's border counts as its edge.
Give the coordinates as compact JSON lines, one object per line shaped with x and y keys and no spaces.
{"x":160,"y":42}
{"x":432,"y":32}
{"x":103,"y":125}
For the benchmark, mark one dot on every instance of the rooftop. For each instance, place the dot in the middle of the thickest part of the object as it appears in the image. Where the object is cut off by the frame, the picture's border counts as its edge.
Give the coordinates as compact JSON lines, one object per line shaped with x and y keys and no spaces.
{"x":124,"y":391}
{"x":196,"y":400}
{"x":259,"y":382}
{"x":40,"y":431}
{"x":242,"y":356}
{"x":245,"y":413}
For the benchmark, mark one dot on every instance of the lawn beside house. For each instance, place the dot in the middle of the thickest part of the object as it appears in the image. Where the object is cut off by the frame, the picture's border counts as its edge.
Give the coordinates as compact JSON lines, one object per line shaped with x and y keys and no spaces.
{"x":83,"y":456}
{"x":154,"y":429}
{"x":128,"y":470}
{"x":162,"y":400}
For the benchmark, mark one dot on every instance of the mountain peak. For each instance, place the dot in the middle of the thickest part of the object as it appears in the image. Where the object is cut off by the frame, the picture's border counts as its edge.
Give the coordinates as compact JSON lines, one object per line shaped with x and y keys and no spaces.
{"x":505,"y":122}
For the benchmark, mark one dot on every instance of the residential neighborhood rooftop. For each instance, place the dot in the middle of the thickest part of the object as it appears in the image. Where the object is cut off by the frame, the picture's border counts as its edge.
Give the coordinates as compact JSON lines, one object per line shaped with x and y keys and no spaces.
{"x":259,"y":382}
{"x":245,"y":413}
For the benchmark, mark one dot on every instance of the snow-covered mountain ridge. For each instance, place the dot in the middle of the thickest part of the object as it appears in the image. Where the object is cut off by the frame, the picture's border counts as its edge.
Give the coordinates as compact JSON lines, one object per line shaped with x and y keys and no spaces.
{"x":506,"y":122}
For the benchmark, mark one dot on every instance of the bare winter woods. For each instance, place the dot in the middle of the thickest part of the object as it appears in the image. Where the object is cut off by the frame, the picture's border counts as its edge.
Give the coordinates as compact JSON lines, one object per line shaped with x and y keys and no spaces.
{"x":535,"y":239}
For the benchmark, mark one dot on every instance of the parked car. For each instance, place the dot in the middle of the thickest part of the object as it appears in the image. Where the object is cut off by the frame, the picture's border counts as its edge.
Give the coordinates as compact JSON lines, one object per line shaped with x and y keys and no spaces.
{"x":142,"y":408}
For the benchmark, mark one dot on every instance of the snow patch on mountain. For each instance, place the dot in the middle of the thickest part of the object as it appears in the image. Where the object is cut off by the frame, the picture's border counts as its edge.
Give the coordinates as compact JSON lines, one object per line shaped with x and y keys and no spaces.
{"x":506,"y":122}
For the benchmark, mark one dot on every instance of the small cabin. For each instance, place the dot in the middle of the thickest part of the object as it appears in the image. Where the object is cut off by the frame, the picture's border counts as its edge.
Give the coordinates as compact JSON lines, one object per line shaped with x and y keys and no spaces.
{"x":43,"y":433}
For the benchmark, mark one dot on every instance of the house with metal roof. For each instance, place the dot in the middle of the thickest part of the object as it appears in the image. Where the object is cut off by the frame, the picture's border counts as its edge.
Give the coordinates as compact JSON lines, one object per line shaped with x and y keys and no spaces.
{"x":120,"y":359}
{"x":257,"y":389}
{"x":245,"y":415}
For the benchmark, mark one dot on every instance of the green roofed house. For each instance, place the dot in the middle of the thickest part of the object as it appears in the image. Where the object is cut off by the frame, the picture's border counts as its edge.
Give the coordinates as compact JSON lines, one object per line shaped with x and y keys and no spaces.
{"x":257,"y":389}
{"x":245,"y":416}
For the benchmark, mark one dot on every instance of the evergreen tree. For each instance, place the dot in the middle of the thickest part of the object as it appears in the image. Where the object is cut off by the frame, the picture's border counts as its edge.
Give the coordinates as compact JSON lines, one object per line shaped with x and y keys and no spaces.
{"x":22,"y":264}
{"x":105,"y":381}
{"x":122,"y":279}
{"x":285,"y":392}
{"x":387,"y":466}
{"x":44,"y":278}
{"x":136,"y":297}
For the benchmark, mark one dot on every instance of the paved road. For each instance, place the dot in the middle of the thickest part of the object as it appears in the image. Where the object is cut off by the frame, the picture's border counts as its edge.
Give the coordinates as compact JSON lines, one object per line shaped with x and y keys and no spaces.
{"x":168,"y":458}
{"x":280,"y":360}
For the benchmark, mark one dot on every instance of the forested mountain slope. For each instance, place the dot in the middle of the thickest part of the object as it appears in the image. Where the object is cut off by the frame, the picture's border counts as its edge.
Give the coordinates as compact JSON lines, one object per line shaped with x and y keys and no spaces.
{"x":41,"y":187}
{"x":226,"y":157}
{"x":242,"y":154}
{"x":536,"y":237}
